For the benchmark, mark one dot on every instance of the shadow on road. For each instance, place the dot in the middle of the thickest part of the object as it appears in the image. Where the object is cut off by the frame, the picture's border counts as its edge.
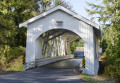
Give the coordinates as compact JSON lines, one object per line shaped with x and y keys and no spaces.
{"x":42,"y":75}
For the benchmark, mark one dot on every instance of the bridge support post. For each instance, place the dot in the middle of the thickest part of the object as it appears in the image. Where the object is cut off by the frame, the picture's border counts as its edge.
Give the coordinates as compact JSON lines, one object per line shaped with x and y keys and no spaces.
{"x":38,"y":48}
{"x":30,"y":53}
{"x":92,"y":63}
{"x":68,"y":48}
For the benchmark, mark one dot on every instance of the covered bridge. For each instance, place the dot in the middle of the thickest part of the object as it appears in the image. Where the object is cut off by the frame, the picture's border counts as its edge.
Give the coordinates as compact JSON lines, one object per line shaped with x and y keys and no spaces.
{"x":49,"y":36}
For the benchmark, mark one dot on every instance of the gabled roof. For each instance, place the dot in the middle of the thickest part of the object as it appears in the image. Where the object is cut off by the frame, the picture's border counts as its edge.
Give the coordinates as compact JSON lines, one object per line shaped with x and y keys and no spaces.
{"x":63,"y":9}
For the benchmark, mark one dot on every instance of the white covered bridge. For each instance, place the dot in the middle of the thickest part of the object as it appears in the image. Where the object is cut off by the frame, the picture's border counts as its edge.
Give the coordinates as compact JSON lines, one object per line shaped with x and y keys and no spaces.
{"x":49,"y":36}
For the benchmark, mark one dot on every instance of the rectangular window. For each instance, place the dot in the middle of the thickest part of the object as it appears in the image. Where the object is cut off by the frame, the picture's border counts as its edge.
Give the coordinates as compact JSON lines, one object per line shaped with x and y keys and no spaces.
{"x":59,"y":23}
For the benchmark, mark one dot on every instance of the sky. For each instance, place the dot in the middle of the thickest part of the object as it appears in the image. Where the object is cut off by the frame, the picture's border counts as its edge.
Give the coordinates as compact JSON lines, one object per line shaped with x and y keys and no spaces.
{"x":79,"y":6}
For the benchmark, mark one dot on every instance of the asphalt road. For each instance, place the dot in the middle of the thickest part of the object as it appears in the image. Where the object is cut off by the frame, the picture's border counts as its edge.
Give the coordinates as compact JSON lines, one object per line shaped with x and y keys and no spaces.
{"x":43,"y":75}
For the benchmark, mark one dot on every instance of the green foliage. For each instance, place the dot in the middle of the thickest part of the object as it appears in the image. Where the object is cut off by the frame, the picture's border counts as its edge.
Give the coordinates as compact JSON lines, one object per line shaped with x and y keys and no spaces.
{"x":63,"y":3}
{"x":12,"y":13}
{"x":8,"y":54}
{"x":88,"y":78}
{"x":45,"y":4}
{"x":11,"y":58}
{"x":16,"y":64}
{"x":73,"y":47}
{"x":109,"y":14}
{"x":104,"y":43}
{"x":74,"y":44}
{"x":112,"y":71}
{"x":15,"y":52}
{"x":80,"y":43}
{"x":13,"y":38}
{"x":3,"y":53}
{"x":111,"y":39}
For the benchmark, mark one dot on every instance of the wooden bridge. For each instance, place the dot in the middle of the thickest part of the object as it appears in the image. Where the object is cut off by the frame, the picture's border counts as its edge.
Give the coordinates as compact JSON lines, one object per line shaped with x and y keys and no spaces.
{"x":50,"y":34}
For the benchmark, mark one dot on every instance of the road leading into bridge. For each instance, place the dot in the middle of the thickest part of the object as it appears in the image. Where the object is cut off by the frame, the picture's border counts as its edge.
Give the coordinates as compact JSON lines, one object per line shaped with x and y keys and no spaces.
{"x":43,"y":75}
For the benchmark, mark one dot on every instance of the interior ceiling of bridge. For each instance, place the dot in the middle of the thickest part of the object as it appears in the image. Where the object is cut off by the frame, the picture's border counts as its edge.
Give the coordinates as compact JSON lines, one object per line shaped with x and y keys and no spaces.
{"x":69,"y":35}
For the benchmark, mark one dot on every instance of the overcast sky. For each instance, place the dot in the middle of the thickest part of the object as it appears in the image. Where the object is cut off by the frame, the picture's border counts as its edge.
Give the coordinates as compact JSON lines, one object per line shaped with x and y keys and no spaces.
{"x":80,"y":5}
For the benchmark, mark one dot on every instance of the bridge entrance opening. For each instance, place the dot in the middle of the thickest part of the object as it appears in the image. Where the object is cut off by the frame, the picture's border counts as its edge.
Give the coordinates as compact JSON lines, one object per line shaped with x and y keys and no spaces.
{"x":59,"y":45}
{"x":58,"y":42}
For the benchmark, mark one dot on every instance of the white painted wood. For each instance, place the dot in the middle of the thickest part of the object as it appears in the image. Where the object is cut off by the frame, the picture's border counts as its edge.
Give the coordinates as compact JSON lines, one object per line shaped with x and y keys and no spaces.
{"x":68,"y":48}
{"x":38,"y":48}
{"x":43,"y":46}
{"x":48,"y":50}
{"x":58,"y":41}
{"x":52,"y":47}
{"x":96,"y":66}
{"x":44,"y":55}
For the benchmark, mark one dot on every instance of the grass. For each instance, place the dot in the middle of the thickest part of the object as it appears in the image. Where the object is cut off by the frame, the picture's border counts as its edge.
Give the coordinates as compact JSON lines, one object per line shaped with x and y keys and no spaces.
{"x":13,"y":66}
{"x":16,"y":65}
{"x":88,"y":78}
{"x":97,"y":79}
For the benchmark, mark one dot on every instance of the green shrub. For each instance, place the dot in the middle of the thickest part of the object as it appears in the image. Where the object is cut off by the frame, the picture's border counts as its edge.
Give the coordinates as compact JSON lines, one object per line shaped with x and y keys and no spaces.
{"x":15,"y":53}
{"x":112,"y":50}
{"x":11,"y":58}
{"x":2,"y":60}
{"x":16,"y":64}
{"x":112,"y":71}
{"x":112,"y":68}
{"x":4,"y":49}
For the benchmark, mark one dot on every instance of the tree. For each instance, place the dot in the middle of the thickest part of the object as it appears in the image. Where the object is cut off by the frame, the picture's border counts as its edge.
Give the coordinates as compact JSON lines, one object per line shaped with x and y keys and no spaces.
{"x":109,"y":15}
{"x":47,"y":4}
{"x":108,"y":12}
{"x":12,"y":13}
{"x":62,"y":3}
{"x":44,"y":4}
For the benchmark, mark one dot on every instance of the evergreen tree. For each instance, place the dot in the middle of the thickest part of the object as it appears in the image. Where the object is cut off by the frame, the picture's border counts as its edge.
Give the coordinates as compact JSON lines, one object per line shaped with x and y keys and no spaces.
{"x":62,"y":3}
{"x":108,"y":11}
{"x":109,"y":15}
